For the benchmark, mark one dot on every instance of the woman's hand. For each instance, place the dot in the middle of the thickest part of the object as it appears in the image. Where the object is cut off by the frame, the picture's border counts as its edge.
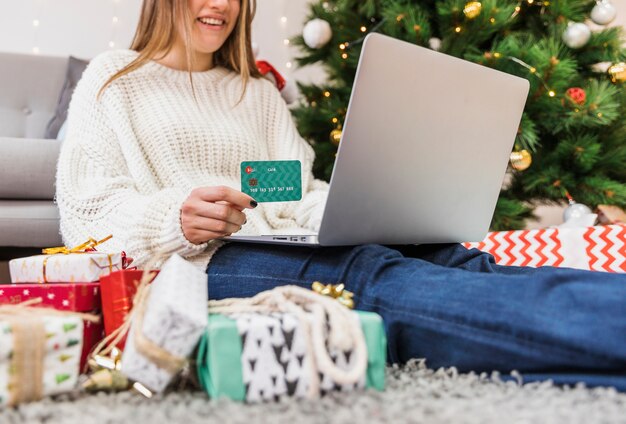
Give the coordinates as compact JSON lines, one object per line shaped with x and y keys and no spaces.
{"x":214,"y":212}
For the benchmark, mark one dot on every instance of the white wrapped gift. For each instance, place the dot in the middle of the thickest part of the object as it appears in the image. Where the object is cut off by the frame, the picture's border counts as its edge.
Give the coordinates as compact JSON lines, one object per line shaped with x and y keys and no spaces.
{"x":174,"y":317}
{"x":64,"y":268}
{"x":39,"y":356}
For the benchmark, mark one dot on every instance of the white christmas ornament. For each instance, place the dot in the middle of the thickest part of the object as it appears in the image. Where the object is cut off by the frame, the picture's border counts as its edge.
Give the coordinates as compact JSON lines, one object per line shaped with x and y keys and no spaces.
{"x":434,"y":43}
{"x":578,"y":215}
{"x":603,"y":12}
{"x":576,"y":35}
{"x":317,"y":33}
{"x":255,"y":49}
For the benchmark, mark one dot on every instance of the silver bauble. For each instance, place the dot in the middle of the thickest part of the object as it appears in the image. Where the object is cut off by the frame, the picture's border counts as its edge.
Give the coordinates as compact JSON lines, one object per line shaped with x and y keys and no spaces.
{"x":575,"y":211}
{"x":603,"y":13}
{"x":576,"y":35}
{"x":317,"y":33}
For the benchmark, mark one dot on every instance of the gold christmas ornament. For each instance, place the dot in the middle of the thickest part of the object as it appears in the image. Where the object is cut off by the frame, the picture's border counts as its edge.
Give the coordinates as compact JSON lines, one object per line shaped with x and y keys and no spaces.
{"x":617,"y":72}
{"x":335,"y":136}
{"x":472,"y":9}
{"x":521,"y":160}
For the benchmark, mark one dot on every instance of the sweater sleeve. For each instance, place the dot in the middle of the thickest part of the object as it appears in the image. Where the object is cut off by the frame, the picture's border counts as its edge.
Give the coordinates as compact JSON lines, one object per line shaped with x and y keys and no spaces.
{"x":96,"y":193}
{"x":285,"y":143}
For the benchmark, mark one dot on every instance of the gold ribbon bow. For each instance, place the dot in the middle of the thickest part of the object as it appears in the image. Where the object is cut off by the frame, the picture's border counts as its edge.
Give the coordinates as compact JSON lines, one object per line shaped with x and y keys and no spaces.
{"x":336,"y":291}
{"x":86,"y":247}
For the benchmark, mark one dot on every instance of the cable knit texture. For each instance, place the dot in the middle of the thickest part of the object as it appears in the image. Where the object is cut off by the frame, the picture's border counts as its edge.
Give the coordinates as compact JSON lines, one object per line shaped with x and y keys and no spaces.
{"x":132,"y":157}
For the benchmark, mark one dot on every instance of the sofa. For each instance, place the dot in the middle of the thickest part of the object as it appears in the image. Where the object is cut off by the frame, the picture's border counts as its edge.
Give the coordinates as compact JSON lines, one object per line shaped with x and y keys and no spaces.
{"x":29,"y":93}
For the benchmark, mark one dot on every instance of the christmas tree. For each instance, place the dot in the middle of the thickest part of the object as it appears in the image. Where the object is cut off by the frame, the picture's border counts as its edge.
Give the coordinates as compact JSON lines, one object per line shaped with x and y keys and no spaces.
{"x":572,"y":138}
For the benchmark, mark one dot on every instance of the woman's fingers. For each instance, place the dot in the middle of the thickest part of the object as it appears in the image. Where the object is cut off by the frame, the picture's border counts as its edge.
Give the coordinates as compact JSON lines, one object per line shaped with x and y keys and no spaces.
{"x":221,"y":193}
{"x":213,"y":212}
{"x":197,"y":236}
{"x":218,"y":211}
{"x":224,"y":202}
{"x":214,"y":225}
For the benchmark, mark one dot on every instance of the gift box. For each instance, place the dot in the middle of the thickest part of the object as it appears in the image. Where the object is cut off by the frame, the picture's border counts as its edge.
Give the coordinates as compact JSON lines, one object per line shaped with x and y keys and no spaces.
{"x":83,"y":267}
{"x":39,"y":356}
{"x":599,"y":248}
{"x":610,"y":214}
{"x":256,"y":357}
{"x":77,"y":297}
{"x":118,"y":290}
{"x":166,"y":324}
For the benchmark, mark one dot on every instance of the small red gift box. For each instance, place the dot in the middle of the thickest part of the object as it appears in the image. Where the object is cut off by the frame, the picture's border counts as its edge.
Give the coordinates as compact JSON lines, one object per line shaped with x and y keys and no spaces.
{"x":75,"y":297}
{"x":118,"y":289}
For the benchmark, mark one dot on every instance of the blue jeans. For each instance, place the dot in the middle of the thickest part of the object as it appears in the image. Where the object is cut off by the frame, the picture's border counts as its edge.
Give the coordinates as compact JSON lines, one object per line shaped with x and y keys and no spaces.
{"x":456,"y":307}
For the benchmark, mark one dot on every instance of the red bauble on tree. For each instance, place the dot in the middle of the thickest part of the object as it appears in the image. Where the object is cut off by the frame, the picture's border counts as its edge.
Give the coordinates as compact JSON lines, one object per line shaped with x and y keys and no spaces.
{"x":576,"y":95}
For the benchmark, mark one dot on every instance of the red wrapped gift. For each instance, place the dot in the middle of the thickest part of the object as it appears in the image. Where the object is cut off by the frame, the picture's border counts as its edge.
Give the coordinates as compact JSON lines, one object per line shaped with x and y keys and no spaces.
{"x":75,"y":297}
{"x":599,"y":248}
{"x":117,"y":290}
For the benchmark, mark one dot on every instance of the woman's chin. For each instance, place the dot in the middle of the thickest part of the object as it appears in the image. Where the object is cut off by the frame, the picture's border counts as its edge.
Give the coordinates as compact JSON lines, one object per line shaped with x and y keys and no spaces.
{"x":209,"y":43}
{"x":204,"y":49}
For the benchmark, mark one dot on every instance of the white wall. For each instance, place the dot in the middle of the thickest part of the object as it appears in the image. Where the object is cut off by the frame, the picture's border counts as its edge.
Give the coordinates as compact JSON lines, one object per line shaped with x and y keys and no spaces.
{"x":84,"y":28}
{"x":81,"y":28}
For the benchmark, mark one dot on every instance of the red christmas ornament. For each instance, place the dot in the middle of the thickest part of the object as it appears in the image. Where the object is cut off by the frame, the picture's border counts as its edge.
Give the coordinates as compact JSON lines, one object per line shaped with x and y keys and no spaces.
{"x":576,"y":95}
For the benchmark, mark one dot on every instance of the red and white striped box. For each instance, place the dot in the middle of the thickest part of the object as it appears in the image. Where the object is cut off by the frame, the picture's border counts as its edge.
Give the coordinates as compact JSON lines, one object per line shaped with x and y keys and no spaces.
{"x":599,"y":248}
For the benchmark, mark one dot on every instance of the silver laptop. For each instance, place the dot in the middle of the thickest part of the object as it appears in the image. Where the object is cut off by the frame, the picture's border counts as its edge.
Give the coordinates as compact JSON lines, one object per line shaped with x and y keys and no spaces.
{"x":424,"y":150}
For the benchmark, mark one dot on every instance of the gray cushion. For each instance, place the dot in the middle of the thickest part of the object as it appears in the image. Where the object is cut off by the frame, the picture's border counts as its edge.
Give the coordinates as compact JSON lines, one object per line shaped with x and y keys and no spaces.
{"x":75,"y":68}
{"x":62,"y":131}
{"x":29,"y":223}
{"x":28,"y":168}
{"x":30,"y":89}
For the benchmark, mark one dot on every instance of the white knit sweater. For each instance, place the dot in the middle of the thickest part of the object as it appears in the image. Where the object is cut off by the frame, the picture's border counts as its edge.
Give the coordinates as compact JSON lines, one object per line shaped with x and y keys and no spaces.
{"x":132,"y":157}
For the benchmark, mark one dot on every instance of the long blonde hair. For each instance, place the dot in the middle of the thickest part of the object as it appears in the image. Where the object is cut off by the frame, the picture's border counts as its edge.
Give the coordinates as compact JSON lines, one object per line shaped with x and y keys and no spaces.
{"x":156,"y":32}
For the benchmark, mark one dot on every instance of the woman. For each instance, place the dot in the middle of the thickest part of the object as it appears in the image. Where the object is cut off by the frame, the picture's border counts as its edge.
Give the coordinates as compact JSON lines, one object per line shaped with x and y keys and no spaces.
{"x":155,"y":138}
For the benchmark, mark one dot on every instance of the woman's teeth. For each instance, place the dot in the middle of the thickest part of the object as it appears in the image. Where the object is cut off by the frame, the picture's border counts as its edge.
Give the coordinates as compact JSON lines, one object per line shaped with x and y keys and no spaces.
{"x":211,"y":21}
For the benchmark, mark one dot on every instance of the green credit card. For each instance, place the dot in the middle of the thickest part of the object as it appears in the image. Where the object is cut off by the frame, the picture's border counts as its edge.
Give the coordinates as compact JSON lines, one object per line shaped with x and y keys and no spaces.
{"x":272,"y":180}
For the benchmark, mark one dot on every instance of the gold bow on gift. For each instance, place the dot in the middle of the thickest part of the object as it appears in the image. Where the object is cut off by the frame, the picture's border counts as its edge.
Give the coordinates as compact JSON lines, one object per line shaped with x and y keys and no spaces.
{"x":88,"y":246}
{"x":336,"y":291}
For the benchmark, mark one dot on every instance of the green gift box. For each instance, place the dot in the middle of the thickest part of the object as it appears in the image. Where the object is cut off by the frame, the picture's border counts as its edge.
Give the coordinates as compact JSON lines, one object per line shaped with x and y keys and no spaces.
{"x":256,"y":357}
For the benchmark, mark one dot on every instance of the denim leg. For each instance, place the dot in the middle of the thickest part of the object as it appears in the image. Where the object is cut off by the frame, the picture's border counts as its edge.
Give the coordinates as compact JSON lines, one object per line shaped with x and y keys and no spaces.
{"x":455,"y":255}
{"x":545,"y":321}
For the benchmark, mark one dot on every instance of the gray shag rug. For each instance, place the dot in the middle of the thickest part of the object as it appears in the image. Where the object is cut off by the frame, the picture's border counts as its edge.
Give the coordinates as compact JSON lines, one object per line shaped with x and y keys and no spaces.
{"x":414,"y":394}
